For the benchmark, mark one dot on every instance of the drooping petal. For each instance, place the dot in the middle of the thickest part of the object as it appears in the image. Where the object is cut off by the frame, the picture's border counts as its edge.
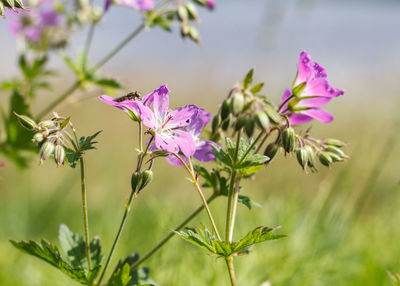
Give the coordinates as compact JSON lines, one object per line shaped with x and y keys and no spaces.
{"x":296,"y":119}
{"x":313,"y":102}
{"x":204,"y":151}
{"x":182,"y":116}
{"x":185,"y":141}
{"x":166,"y":143}
{"x":319,"y":114}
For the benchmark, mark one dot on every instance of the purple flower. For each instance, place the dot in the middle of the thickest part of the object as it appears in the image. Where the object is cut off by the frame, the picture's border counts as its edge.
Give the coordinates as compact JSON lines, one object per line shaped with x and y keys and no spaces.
{"x":127,"y":103}
{"x":203,"y":147}
{"x":142,"y":5}
{"x":311,"y":90}
{"x":33,"y":23}
{"x":210,"y":4}
{"x":167,"y":124}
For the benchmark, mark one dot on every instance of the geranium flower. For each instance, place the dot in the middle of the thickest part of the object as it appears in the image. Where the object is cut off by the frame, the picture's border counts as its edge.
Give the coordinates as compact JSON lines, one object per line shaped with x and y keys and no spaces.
{"x":311,"y":89}
{"x":33,"y":23}
{"x":167,"y":124}
{"x":203,"y":147}
{"x":142,"y":5}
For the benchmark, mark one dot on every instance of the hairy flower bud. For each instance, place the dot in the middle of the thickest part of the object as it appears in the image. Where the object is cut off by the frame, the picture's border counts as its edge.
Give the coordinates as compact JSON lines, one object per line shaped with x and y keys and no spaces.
{"x":226,"y":122}
{"x":225,"y":109}
{"x":311,"y":156}
{"x":46,"y":151}
{"x":249,"y":127}
{"x":38,"y":137}
{"x":334,"y":142}
{"x":59,"y":155}
{"x":146,"y":178}
{"x":272,"y":113}
{"x":262,"y":120}
{"x":26,"y":121}
{"x":302,"y":157}
{"x":237,"y":103}
{"x":289,"y":139}
{"x":215,"y":123}
{"x":47,"y":124}
{"x":270,"y":151}
{"x":135,"y":180}
{"x":335,"y":150}
{"x":325,"y":159}
{"x":182,"y":13}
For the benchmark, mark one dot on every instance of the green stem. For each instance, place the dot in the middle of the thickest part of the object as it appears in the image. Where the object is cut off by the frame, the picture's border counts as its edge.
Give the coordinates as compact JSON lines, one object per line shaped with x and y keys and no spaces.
{"x":231,"y":270}
{"x":116,"y":240}
{"x":85,"y":215}
{"x":119,"y":47}
{"x":283,"y":103}
{"x":88,"y":43}
{"x":229,"y":207}
{"x":140,"y":137}
{"x":196,"y":183}
{"x":234,"y":208}
{"x":172,"y":233}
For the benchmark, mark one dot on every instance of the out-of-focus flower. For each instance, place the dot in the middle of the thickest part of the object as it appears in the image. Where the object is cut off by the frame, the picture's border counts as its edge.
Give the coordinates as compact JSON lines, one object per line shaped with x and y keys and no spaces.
{"x":210,"y":4}
{"x":142,"y":5}
{"x":167,"y":124}
{"x":203,"y":147}
{"x":311,"y":89}
{"x":2,"y":164}
{"x":33,"y":23}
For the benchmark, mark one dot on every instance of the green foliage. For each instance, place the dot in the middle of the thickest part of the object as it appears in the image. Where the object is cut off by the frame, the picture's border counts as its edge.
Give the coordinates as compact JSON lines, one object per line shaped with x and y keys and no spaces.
{"x":203,"y":238}
{"x":124,"y":275}
{"x":73,"y":246}
{"x":85,"y":144}
{"x":17,"y":137}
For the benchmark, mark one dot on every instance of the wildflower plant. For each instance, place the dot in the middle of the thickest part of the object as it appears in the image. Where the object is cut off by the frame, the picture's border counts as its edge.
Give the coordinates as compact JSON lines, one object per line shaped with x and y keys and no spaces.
{"x":238,"y":142}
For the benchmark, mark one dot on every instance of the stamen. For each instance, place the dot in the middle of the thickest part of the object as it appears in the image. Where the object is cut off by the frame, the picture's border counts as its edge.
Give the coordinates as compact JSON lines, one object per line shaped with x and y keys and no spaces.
{"x":168,"y":120}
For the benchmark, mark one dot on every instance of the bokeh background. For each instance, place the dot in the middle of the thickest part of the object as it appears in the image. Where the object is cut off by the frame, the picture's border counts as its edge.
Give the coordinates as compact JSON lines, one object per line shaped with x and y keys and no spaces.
{"x":343,"y":224}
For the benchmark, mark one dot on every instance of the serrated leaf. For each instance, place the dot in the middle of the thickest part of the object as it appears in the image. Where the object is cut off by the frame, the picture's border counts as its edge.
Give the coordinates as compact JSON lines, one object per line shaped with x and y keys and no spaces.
{"x":50,"y":253}
{"x":72,"y":157}
{"x":222,"y":156}
{"x":85,"y":144}
{"x":252,"y":160}
{"x":74,"y":248}
{"x":203,"y":238}
{"x":121,"y":276}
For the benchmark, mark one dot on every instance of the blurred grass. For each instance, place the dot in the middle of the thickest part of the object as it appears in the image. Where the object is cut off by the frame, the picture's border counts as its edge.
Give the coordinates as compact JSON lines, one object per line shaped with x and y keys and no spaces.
{"x":342,"y":223}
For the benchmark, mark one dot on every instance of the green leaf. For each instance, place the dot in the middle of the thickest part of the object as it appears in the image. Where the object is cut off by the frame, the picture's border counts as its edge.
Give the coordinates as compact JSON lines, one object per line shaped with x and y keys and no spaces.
{"x":50,"y":253}
{"x":105,"y":82}
{"x":85,"y":144}
{"x":72,"y":157}
{"x":137,"y":276}
{"x":251,"y":161}
{"x":74,"y":248}
{"x":248,"y":79}
{"x":203,"y":238}
{"x":222,"y":156}
{"x":257,"y":88}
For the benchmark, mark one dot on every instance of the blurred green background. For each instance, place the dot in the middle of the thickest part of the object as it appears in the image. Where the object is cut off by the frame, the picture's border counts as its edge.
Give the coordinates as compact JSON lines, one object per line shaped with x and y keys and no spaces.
{"x":343,"y":224}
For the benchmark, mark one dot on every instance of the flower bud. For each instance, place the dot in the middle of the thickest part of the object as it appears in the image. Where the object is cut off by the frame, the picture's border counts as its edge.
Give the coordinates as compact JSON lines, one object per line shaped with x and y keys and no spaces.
{"x":192,"y":11}
{"x":240,"y":122}
{"x":226,"y":122}
{"x":334,"y":142}
{"x":59,"y":155}
{"x":47,"y":124}
{"x":194,"y":34}
{"x":271,"y":151}
{"x":302,"y":157}
{"x":237,"y":103}
{"x":46,"y":150}
{"x":249,"y":127}
{"x":146,"y":178}
{"x":289,"y":139}
{"x":262,"y":120}
{"x":272,"y":113}
{"x":185,"y":30}
{"x":38,"y":137}
{"x":182,"y":13}
{"x":135,"y":180}
{"x":215,"y":123}
{"x":325,"y":159}
{"x":311,"y":156}
{"x":225,"y":109}
{"x":335,"y":157}
{"x":26,"y":121}
{"x":335,"y":150}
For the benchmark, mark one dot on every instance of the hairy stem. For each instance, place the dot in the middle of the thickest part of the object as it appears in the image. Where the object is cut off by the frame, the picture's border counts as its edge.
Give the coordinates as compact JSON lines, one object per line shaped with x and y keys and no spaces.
{"x":234,"y":208}
{"x":172,"y":233}
{"x":85,"y":215}
{"x":231,"y":270}
{"x":116,"y":240}
{"x":229,"y":207}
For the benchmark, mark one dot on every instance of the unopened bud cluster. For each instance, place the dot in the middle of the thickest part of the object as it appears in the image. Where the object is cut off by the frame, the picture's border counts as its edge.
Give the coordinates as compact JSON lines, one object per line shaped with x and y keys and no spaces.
{"x":49,"y":135}
{"x":245,"y":109}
